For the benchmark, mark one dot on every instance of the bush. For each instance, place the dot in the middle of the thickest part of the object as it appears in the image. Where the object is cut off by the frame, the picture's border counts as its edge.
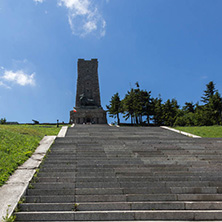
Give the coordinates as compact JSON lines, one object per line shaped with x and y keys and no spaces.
{"x":185,"y":120}
{"x":2,"y":120}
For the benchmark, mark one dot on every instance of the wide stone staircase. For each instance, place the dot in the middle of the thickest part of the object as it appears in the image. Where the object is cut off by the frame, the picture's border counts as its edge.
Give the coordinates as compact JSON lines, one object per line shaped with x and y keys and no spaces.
{"x":103,"y":173}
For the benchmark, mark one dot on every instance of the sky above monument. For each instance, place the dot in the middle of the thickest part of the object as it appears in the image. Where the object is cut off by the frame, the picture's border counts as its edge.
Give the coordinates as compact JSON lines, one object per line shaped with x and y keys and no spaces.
{"x":171,"y":47}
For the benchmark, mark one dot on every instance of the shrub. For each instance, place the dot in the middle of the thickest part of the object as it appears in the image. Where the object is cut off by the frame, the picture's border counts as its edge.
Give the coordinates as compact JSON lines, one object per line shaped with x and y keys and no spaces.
{"x":2,"y":120}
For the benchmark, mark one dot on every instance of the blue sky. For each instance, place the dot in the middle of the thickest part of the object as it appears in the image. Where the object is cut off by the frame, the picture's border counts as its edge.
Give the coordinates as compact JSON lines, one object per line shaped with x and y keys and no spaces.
{"x":171,"y":47}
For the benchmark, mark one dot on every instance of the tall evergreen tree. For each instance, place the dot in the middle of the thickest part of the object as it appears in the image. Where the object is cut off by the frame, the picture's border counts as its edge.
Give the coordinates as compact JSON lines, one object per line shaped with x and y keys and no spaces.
{"x":115,"y":107}
{"x":209,"y":92}
{"x":128,"y":105}
{"x":189,"y":107}
{"x":158,"y":111}
{"x":137,"y":103}
{"x":215,"y":108}
{"x":170,"y":110}
{"x":203,"y":116}
{"x":147,"y":104}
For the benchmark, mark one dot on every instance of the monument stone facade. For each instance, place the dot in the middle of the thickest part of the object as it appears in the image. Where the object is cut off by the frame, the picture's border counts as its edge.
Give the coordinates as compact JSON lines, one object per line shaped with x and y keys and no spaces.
{"x":88,"y":105}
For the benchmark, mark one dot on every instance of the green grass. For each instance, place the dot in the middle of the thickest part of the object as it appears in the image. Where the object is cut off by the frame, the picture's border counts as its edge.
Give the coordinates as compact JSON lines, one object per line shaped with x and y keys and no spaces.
{"x":203,"y":131}
{"x":17,"y":143}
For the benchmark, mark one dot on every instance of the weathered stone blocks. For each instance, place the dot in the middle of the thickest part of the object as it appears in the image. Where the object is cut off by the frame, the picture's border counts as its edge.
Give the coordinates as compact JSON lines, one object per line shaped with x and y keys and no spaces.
{"x":88,"y":105}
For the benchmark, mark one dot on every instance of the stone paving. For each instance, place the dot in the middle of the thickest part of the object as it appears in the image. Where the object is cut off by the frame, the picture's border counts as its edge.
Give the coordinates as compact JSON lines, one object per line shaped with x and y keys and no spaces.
{"x":103,"y":173}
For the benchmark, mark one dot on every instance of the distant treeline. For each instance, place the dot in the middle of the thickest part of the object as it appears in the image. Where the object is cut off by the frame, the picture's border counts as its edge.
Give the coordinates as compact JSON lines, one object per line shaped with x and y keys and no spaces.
{"x":142,"y":109}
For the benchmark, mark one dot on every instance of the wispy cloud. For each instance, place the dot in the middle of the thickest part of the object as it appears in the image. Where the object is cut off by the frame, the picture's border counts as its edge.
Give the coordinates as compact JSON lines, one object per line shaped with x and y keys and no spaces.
{"x":204,"y":77}
{"x":18,"y":77}
{"x":38,"y":1}
{"x":84,"y":17}
{"x":4,"y":85}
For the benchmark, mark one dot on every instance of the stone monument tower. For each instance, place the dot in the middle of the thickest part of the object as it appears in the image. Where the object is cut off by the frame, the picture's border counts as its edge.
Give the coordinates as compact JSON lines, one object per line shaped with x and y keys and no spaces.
{"x":88,"y":106}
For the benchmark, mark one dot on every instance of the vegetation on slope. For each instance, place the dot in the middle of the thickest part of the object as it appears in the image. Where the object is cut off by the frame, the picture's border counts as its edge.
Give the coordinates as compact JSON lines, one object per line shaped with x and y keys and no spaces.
{"x":203,"y":131}
{"x":17,"y":143}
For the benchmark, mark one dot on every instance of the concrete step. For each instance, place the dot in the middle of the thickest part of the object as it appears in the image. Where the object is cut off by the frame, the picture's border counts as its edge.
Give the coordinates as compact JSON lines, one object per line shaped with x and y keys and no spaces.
{"x":98,"y":191}
{"x":56,"y":174}
{"x":103,"y":206}
{"x":120,"y":215}
{"x":173,"y":190}
{"x":101,"y":173}
{"x":82,"y":174}
{"x":55,"y":179}
{"x":53,"y":185}
{"x":132,"y":221}
{"x":50,"y":192}
{"x":97,"y":185}
{"x":196,"y":190}
{"x":96,"y":179}
{"x":50,"y":199}
{"x":56,"y":168}
{"x":164,"y":184}
{"x":101,"y":198}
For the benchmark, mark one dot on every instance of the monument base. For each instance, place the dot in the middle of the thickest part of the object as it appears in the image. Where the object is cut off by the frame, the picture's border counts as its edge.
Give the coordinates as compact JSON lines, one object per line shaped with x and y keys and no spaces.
{"x":94,"y":116}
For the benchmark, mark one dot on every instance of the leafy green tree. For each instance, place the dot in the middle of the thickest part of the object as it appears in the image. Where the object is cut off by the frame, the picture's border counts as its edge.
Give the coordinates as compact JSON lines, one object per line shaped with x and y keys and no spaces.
{"x":115,"y":107}
{"x":187,"y":119}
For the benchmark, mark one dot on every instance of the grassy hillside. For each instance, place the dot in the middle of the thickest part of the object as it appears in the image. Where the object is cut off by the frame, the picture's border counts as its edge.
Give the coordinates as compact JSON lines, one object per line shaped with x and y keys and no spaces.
{"x":203,"y":131}
{"x":17,"y":143}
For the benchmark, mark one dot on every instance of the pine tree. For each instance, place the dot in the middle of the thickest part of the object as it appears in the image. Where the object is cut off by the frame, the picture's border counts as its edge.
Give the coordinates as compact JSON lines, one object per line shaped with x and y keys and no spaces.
{"x":147,"y":104}
{"x":215,"y":108}
{"x":115,"y":107}
{"x":209,"y":92}
{"x":128,"y":105}
{"x":170,"y":110}
{"x":158,"y":111}
{"x":189,"y":107}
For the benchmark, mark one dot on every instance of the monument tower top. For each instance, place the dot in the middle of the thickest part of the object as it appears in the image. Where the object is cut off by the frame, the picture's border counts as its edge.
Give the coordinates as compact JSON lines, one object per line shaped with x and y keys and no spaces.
{"x":88,"y":105}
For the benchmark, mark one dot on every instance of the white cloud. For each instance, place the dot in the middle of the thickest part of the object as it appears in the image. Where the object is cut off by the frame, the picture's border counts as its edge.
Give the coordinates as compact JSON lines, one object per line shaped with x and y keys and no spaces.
{"x":204,"y":77}
{"x":38,"y":1}
{"x":4,"y":85}
{"x":84,"y":17}
{"x":79,"y":7}
{"x":19,"y":77}
{"x":90,"y":26}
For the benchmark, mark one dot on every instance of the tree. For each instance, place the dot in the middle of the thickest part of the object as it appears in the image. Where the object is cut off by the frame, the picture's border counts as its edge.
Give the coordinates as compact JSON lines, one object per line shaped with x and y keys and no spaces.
{"x":158,"y":111}
{"x":202,"y":116}
{"x":115,"y":107}
{"x":189,"y":107}
{"x":136,"y":104}
{"x":215,"y":108}
{"x":170,"y":110}
{"x":2,"y":120}
{"x":209,"y":92}
{"x":128,"y":105}
{"x":147,"y":104}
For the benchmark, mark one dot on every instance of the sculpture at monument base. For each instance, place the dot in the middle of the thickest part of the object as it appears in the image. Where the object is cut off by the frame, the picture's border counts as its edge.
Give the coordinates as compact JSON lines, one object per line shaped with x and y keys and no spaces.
{"x":94,"y":116}
{"x":88,"y":106}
